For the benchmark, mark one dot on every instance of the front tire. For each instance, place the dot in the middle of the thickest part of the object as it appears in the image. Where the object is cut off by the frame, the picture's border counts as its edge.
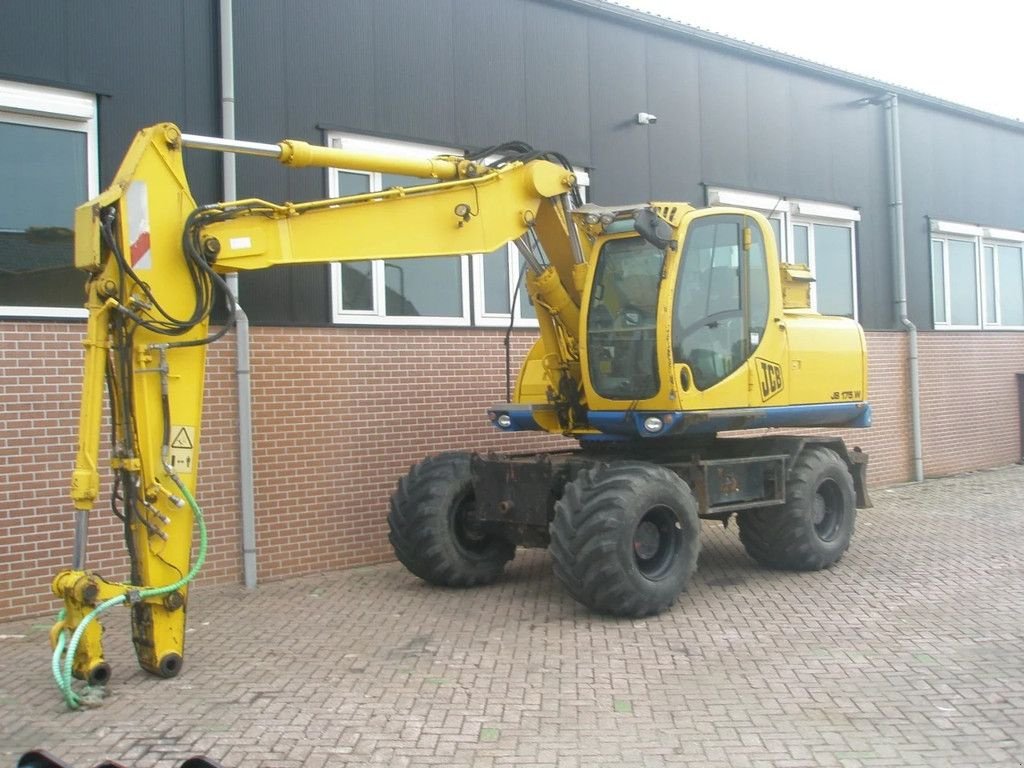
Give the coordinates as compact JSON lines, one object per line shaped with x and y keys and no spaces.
{"x":814,"y":528}
{"x":625,"y":538}
{"x":431,"y":526}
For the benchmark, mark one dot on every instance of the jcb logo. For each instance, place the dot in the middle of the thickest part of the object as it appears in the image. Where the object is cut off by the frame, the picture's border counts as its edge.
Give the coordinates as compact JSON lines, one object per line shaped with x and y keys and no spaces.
{"x":770,"y":377}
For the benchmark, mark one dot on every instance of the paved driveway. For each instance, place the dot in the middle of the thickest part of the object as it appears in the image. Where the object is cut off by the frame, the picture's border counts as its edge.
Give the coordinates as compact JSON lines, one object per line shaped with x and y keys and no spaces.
{"x":909,"y":652}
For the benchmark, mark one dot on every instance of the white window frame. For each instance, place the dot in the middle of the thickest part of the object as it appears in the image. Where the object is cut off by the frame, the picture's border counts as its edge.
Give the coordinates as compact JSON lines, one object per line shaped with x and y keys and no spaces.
{"x":45,"y":107}
{"x":791,"y":213}
{"x":485,"y":319}
{"x":378,"y":314}
{"x":981,"y":237}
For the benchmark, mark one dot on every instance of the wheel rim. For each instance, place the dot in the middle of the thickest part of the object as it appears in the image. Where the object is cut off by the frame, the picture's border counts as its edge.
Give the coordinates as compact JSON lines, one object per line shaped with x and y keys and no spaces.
{"x":828,"y":510}
{"x":470,"y":539}
{"x":656,"y":542}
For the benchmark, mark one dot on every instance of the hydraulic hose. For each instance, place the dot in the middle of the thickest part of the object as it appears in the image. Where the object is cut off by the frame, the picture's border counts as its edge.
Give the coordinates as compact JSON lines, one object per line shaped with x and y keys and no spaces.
{"x":66,"y":648}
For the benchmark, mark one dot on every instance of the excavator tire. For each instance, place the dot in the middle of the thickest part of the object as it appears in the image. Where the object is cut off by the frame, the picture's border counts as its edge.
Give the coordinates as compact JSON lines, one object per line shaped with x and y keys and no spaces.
{"x":625,"y":538}
{"x":814,"y":528}
{"x":430,"y":529}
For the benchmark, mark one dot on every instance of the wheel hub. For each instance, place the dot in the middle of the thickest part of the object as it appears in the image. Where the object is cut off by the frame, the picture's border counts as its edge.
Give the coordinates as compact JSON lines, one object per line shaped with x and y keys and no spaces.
{"x":827,"y":511}
{"x":467,"y":530}
{"x":656,"y":542}
{"x":645,"y":542}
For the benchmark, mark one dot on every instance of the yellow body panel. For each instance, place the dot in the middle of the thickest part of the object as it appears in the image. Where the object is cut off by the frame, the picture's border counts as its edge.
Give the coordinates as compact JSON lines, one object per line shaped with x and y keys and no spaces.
{"x":827,"y":361}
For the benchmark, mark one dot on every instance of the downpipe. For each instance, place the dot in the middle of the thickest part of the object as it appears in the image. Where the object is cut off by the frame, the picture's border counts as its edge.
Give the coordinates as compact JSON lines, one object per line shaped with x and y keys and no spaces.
{"x":892,"y":135}
{"x":244,"y":385}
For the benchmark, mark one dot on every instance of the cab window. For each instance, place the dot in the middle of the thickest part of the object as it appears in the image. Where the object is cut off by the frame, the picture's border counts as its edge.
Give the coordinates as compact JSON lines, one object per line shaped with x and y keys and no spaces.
{"x":721,"y":298}
{"x":622,"y":317}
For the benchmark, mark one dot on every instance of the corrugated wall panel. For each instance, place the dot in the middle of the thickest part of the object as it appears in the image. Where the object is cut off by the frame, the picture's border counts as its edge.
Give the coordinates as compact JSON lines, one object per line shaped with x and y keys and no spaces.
{"x":673,"y":94}
{"x":490,"y":100}
{"x":770,"y":129}
{"x":960,"y":170}
{"x":723,"y":120}
{"x":34,"y":41}
{"x":413,"y":75}
{"x":330,"y":61}
{"x":618,"y":91}
{"x":271,"y":78}
{"x":557,"y":87}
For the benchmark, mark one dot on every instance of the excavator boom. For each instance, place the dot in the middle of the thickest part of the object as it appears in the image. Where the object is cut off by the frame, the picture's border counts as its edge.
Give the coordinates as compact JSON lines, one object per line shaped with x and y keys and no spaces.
{"x":155,"y":261}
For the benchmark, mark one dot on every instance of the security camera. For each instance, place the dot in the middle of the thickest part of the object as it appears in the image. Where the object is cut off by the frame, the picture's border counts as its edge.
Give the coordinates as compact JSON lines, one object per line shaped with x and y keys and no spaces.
{"x":646,"y":118}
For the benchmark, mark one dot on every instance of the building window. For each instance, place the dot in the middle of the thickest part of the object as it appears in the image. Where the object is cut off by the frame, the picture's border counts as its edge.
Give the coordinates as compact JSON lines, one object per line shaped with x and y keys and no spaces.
{"x":426,"y":291}
{"x":483,"y":289}
{"x":820,"y":235}
{"x":499,"y":282}
{"x":977,"y":276}
{"x":48,"y":161}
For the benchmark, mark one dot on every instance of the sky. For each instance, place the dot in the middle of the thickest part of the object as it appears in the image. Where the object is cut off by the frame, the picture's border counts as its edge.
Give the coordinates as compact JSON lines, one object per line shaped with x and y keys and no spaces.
{"x":969,"y":53}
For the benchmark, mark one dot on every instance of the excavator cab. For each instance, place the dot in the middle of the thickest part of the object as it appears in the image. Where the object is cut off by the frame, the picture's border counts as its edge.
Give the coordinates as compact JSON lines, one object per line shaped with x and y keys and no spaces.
{"x":694,"y":322}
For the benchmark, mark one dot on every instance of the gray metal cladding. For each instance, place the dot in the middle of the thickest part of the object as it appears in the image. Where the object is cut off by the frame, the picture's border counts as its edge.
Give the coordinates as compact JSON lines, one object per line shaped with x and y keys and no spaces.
{"x":559,"y":74}
{"x":957,"y":169}
{"x":676,"y":165}
{"x":146,"y":63}
{"x":558,"y":96}
{"x":490,"y":101}
{"x":618,"y":91}
{"x":34,"y":41}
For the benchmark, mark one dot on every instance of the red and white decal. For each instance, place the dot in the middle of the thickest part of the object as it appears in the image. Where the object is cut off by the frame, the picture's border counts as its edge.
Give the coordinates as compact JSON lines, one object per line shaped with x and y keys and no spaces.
{"x":138,"y":225}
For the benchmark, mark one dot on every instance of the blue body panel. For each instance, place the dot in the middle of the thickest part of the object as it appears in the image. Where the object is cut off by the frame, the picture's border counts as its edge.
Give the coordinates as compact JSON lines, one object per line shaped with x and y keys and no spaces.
{"x":624,"y":425}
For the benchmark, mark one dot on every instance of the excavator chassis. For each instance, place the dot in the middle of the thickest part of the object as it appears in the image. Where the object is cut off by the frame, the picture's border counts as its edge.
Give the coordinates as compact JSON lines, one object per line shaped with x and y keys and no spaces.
{"x":516,"y":493}
{"x":622,"y":520}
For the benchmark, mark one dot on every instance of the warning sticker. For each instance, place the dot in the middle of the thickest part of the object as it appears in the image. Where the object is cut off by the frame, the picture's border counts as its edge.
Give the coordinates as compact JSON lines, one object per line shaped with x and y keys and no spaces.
{"x":183,"y":449}
{"x":138,"y":226}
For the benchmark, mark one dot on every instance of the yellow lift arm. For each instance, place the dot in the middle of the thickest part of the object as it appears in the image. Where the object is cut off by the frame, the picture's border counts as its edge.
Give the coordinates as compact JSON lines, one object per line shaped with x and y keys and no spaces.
{"x":154,"y":258}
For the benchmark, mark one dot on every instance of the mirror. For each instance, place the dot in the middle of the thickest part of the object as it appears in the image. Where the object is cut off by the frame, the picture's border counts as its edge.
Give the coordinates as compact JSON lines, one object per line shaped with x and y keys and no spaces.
{"x":654,"y":229}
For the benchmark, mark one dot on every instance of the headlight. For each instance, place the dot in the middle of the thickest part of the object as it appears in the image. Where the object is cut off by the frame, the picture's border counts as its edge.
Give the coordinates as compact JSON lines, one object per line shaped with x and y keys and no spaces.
{"x":504,"y":421}
{"x":653,"y":424}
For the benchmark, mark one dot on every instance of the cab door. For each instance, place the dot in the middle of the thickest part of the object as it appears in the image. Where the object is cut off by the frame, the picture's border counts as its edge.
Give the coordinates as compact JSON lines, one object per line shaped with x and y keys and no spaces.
{"x":728,"y":349}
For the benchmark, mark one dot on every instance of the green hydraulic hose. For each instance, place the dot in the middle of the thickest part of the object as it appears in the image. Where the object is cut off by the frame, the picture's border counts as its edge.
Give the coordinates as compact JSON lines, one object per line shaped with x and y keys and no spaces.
{"x":63,"y":678}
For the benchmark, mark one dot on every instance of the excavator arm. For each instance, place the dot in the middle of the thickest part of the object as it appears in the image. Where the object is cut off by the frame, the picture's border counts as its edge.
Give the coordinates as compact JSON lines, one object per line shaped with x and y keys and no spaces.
{"x":155,"y":261}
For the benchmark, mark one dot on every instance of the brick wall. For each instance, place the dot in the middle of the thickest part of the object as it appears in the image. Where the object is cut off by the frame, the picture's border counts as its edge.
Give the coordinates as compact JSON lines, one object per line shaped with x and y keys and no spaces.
{"x":339,"y":415}
{"x":887,"y":441}
{"x":969,"y":409}
{"x":40,"y":388}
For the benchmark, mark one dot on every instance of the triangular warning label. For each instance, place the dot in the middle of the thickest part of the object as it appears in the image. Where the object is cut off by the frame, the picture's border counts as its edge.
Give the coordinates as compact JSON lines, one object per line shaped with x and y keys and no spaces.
{"x":182,"y":439}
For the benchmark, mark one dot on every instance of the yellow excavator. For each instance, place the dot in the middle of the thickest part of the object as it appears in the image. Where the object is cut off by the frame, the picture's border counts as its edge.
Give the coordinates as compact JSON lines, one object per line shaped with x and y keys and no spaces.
{"x":661,"y":326}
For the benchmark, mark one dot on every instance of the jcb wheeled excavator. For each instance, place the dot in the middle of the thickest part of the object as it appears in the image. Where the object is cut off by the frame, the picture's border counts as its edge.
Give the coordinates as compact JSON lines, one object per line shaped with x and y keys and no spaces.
{"x":661,"y":326}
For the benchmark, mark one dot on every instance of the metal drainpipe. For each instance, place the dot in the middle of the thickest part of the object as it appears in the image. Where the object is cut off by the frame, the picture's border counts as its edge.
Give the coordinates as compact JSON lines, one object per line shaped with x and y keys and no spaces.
{"x":245,"y":470}
{"x":892,"y":135}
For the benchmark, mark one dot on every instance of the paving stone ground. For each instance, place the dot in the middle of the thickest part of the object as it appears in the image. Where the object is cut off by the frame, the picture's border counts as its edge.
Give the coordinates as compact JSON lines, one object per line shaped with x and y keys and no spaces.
{"x":909,"y":652}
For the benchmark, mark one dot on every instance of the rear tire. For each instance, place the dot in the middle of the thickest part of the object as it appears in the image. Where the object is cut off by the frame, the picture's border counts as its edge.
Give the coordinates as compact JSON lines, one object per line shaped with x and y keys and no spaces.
{"x":625,"y":538}
{"x":431,"y":528}
{"x":814,"y":528}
